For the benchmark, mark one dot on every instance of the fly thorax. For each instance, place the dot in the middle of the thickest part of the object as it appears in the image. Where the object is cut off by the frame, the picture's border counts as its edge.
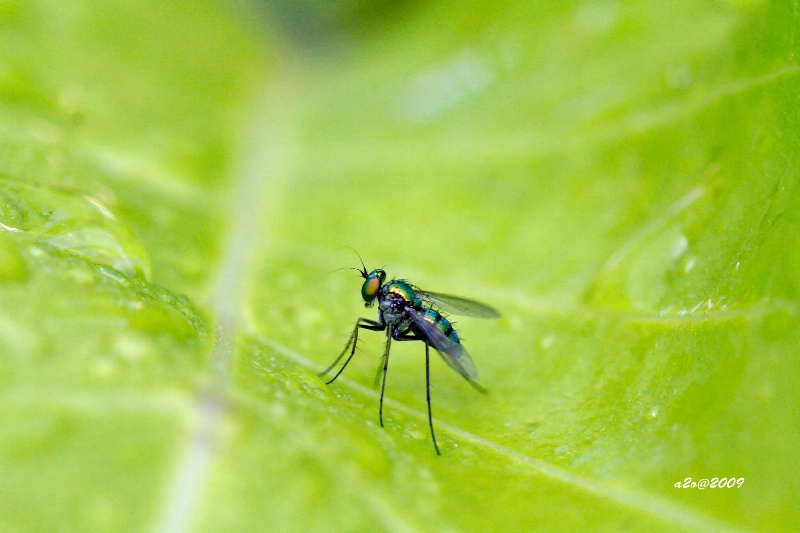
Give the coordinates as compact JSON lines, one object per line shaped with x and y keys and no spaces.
{"x":391,"y":309}
{"x":395,"y":297}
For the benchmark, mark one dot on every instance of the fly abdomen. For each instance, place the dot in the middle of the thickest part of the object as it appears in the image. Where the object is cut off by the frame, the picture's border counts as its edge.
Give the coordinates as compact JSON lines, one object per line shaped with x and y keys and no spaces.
{"x":441,"y":323}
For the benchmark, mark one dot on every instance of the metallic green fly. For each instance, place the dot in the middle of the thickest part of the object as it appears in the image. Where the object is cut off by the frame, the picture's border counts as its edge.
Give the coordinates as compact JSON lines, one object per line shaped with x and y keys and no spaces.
{"x":407,"y":313}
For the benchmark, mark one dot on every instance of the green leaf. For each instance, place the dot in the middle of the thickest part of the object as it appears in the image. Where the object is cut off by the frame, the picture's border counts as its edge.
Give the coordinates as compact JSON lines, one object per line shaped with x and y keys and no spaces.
{"x":180,"y":190}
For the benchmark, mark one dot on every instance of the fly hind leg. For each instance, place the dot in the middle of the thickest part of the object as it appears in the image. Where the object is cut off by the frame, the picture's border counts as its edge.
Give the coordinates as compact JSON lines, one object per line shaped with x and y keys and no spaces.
{"x":428,"y":395}
{"x":385,"y":368}
{"x":410,"y":336}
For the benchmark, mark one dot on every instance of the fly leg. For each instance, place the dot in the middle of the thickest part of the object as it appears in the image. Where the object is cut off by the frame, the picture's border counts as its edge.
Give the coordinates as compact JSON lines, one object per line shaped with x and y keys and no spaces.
{"x":385,"y":367}
{"x":428,"y":395}
{"x":414,"y":337}
{"x":381,"y":374}
{"x":361,"y":323}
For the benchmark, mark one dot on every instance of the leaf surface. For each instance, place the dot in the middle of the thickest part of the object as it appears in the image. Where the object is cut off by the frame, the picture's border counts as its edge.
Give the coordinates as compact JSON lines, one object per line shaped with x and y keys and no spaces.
{"x":179,"y":185}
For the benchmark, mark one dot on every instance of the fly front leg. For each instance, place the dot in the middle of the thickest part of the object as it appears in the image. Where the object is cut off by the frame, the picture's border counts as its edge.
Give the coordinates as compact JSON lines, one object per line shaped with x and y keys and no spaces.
{"x":361,"y":323}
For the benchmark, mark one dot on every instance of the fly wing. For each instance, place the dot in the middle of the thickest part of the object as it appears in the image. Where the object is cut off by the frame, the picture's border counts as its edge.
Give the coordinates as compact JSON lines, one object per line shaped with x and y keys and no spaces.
{"x":453,"y":353}
{"x":459,"y":306}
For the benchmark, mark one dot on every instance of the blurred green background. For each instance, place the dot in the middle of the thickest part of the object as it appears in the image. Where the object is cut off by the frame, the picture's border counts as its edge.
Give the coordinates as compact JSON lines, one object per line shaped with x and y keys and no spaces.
{"x":181,"y":182}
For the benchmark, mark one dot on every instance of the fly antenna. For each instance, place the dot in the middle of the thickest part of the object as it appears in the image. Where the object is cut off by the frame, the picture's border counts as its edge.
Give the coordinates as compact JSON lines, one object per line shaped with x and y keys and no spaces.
{"x":363,"y":272}
{"x":343,"y":268}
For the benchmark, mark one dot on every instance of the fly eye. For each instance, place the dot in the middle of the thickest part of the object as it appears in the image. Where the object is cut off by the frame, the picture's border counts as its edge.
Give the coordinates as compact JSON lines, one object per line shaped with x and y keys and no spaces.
{"x":370,"y":289}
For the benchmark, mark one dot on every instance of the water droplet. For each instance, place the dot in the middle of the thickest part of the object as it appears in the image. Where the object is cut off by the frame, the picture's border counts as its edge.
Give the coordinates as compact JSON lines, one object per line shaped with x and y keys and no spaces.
{"x":596,"y":17}
{"x":651,"y":264}
{"x":73,"y":223}
{"x":547,"y":342}
{"x":679,"y":246}
{"x":12,"y":263}
{"x":8,"y":228}
{"x":413,"y":431}
{"x":72,"y":100}
{"x":98,"y":246}
{"x":100,"y":207}
{"x":640,"y":274}
{"x":113,"y":274}
{"x":132,"y":347}
{"x":278,"y":410}
{"x":443,"y":87}
{"x":103,"y":369}
{"x":678,"y":76}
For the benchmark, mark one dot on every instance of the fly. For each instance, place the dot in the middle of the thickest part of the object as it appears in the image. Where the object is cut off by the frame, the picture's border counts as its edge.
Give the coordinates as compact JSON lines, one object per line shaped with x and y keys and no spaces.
{"x":407,"y":313}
